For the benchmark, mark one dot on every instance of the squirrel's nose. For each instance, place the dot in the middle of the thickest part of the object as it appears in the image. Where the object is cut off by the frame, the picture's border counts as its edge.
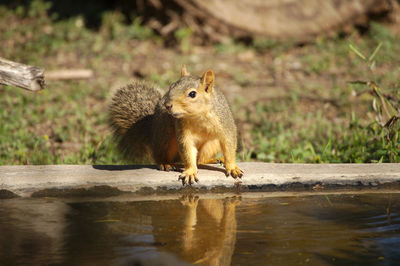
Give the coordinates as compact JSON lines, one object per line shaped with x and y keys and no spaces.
{"x":168,"y":106}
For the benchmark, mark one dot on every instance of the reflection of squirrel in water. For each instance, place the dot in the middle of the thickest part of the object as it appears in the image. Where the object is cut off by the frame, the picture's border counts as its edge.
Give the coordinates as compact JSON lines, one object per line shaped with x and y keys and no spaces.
{"x":191,"y":123}
{"x":199,"y":245}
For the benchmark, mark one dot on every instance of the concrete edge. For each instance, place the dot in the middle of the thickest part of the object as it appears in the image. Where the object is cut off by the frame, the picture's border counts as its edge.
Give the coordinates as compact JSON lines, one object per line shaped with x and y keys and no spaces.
{"x":113,"y":180}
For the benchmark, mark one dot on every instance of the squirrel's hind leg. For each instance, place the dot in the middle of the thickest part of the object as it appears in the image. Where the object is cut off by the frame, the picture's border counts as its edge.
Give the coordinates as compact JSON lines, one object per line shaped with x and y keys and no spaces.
{"x":167,"y":167}
{"x":208,"y":151}
{"x":166,"y":158}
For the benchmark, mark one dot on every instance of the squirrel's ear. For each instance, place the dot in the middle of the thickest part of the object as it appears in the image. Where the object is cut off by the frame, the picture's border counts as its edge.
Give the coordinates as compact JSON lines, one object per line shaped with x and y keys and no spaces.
{"x":184,"y":71}
{"x":207,"y":80}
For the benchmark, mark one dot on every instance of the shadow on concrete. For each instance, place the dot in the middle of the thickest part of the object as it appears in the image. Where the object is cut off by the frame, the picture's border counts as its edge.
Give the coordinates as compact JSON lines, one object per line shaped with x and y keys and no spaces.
{"x":122,"y":167}
{"x":6,"y":194}
{"x":149,"y":166}
{"x":212,"y":168}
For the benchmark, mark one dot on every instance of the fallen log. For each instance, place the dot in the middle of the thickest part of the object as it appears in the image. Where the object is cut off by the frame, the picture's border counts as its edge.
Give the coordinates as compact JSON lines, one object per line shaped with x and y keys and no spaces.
{"x":21,"y":75}
{"x":293,"y":20}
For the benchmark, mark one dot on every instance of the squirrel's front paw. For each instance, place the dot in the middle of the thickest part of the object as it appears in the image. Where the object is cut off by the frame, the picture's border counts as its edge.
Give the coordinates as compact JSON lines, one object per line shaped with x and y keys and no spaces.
{"x":234,"y":171}
{"x":189,"y":176}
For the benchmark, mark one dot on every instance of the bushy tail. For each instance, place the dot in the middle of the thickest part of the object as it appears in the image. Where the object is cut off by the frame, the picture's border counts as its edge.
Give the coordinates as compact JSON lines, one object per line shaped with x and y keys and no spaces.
{"x":131,"y":115}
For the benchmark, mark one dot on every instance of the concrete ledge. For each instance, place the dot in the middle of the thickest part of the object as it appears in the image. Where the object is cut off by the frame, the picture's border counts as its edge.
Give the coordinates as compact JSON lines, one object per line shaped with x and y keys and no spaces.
{"x":103,"y":180}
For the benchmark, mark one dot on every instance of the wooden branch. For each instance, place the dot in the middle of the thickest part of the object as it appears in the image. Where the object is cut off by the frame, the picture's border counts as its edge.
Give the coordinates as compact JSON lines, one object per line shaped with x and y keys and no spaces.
{"x":64,"y":74}
{"x":21,"y":75}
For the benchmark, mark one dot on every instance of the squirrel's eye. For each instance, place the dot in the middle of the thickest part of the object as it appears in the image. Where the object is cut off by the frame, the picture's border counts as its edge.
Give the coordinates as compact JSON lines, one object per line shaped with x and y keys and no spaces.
{"x":192,"y":94}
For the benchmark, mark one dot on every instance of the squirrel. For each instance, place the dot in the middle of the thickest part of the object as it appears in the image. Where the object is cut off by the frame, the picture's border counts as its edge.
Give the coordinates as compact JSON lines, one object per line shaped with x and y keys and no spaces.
{"x":191,"y":123}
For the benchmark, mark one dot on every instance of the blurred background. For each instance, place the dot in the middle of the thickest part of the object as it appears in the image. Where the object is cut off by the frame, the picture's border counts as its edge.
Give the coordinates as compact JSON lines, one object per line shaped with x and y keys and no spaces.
{"x":308,"y":81}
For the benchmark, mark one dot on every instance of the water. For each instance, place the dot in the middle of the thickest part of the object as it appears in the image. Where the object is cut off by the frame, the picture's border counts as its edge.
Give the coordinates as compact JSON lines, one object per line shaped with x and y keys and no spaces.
{"x":254,"y":229}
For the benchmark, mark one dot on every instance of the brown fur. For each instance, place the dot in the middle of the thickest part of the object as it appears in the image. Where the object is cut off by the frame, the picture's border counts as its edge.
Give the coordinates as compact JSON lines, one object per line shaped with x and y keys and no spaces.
{"x":131,"y":115}
{"x":177,"y":127}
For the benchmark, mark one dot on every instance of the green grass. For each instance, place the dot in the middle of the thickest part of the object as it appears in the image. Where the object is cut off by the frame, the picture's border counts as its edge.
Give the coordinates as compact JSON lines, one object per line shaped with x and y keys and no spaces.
{"x":317,"y":116}
{"x":308,"y":127}
{"x":52,"y":128}
{"x":285,"y":133}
